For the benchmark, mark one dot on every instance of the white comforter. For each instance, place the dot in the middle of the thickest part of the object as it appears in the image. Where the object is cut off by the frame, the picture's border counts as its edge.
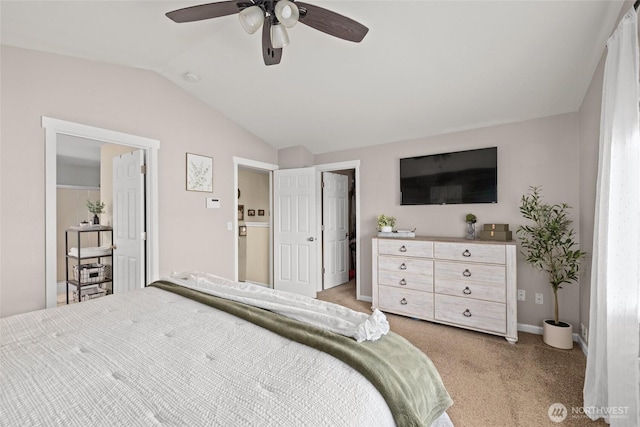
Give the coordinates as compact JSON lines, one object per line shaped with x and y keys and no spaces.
{"x":332,"y":317}
{"x":151,"y":357}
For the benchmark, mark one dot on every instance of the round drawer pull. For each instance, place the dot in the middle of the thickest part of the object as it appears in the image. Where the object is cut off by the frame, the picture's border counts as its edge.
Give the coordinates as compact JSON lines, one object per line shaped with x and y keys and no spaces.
{"x":466,"y":273}
{"x":403,"y":301}
{"x":403,"y":266}
{"x":466,"y":291}
{"x":403,"y":282}
{"x":466,"y":313}
{"x":466,"y":253}
{"x":403,"y":248}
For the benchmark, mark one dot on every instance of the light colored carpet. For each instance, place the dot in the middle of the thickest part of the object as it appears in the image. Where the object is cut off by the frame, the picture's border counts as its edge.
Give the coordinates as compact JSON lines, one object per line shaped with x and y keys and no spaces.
{"x":492,"y":382}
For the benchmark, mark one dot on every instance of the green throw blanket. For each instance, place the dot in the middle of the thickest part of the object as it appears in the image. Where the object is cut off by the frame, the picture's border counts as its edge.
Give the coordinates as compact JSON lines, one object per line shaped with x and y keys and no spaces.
{"x":403,"y":375}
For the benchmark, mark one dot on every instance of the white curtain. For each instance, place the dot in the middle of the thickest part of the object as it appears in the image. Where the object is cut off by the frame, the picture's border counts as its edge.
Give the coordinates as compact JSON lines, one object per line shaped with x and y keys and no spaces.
{"x":612,"y":379}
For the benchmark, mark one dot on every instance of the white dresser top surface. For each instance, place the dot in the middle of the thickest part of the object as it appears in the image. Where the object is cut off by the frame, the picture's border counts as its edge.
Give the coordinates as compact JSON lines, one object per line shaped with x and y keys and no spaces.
{"x":449,"y":239}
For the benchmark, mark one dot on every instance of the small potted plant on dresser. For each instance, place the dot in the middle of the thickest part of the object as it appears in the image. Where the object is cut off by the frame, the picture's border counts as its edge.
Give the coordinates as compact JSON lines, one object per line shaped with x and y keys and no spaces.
{"x":471,"y":220}
{"x":386,"y":223}
{"x":548,"y":246}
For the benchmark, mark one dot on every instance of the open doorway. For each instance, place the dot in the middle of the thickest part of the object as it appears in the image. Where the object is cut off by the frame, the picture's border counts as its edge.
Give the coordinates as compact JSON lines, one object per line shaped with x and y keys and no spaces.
{"x":253,"y":224}
{"x":338,"y":227}
{"x":347,"y":250}
{"x":57,"y":130}
{"x":84,"y":174}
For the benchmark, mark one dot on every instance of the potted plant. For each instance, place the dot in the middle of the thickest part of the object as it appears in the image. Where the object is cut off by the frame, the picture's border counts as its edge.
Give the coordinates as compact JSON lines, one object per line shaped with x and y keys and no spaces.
{"x":95,"y":208}
{"x":386,"y":223}
{"x":548,"y":246}
{"x":471,"y":227}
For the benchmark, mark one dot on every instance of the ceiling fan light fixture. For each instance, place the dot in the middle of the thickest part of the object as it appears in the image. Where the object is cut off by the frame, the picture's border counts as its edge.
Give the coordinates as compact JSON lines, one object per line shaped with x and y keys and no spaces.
{"x":279,"y":36}
{"x":251,"y":18}
{"x":287,"y":13}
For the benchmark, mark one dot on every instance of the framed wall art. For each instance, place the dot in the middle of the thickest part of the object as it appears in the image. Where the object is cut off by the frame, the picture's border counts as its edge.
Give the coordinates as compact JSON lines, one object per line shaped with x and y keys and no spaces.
{"x":199,"y":173}
{"x":260,"y":212}
{"x":252,"y":212}
{"x":240,"y":212}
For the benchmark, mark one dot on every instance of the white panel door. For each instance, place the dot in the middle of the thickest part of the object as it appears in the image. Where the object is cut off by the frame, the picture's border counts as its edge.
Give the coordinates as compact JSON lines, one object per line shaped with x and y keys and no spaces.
{"x":335,"y":225}
{"x":294,"y":239}
{"x":128,"y":222}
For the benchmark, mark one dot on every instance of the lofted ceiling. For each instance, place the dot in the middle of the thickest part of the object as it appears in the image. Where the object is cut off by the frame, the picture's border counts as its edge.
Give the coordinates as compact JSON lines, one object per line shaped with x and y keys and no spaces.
{"x":424,"y":68}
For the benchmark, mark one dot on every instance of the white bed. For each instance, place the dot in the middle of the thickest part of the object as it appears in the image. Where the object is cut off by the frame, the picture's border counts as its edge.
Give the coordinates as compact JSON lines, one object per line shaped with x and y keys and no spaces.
{"x":152,"y":357}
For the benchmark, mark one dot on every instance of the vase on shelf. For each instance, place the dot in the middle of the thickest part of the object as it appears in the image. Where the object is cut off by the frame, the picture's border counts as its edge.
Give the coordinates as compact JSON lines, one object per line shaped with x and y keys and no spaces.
{"x":96,"y":220}
{"x":471,"y":231}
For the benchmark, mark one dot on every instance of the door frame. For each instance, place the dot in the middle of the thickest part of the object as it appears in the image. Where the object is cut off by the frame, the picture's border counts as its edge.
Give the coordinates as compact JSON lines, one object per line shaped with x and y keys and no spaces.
{"x":252,"y":164}
{"x":326,"y":176}
{"x":331,"y":167}
{"x":54,"y":127}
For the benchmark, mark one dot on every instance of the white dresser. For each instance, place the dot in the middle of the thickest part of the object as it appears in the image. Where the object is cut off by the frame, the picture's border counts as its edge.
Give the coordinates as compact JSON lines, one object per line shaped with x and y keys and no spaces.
{"x":465,"y":283}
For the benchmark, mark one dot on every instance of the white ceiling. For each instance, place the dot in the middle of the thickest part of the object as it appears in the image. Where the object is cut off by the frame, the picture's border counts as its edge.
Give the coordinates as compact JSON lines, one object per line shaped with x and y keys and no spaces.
{"x":424,"y":68}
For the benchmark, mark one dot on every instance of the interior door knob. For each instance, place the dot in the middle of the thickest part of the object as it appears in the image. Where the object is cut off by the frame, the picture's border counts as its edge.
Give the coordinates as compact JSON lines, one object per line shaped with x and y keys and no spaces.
{"x":311,"y":239}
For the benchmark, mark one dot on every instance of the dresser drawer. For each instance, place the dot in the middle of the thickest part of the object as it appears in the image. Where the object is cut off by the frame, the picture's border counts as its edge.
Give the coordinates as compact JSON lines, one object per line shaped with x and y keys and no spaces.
{"x":406,"y":301}
{"x":489,"y":316}
{"x":461,"y":272}
{"x":480,"y":291}
{"x":494,"y":254}
{"x":411,"y":248}
{"x":410,"y":273}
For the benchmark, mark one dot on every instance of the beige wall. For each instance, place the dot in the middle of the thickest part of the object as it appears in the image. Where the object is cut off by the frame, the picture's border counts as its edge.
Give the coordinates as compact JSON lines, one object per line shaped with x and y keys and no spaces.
{"x":589,"y":128}
{"x":121,"y":99}
{"x":254,"y":193}
{"x":537,"y":152}
{"x":72,"y":209}
{"x":257,"y":268}
{"x":253,"y":249}
{"x":294,"y":157}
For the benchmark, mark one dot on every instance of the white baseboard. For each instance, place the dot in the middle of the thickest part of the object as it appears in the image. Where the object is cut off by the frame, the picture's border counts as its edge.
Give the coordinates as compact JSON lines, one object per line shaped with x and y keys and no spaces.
{"x":364,"y":298}
{"x":523,"y":327}
{"x":583,"y":345}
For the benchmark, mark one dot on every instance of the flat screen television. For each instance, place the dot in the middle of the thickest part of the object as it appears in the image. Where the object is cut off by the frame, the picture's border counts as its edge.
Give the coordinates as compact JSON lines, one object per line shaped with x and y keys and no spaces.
{"x":450,"y":178}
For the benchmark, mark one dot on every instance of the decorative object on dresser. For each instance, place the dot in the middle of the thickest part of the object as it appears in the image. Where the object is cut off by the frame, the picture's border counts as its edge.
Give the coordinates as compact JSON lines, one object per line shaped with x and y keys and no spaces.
{"x":499,"y":232}
{"x":95,"y":208}
{"x":548,"y":246}
{"x":386,"y":223}
{"x":471,"y":226}
{"x":452,"y":281}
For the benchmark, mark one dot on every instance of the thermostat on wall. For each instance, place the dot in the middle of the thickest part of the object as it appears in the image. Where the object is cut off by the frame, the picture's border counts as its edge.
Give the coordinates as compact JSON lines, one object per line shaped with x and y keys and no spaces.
{"x":213,"y":203}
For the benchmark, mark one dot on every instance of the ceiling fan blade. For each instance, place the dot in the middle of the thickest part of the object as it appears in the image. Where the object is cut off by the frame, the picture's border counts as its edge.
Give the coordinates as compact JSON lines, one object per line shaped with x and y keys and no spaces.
{"x":331,"y":23}
{"x":206,"y":11}
{"x":270,"y":54}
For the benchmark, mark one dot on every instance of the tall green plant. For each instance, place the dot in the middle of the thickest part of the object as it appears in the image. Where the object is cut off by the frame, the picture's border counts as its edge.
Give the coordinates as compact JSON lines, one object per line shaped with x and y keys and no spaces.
{"x":548,"y":243}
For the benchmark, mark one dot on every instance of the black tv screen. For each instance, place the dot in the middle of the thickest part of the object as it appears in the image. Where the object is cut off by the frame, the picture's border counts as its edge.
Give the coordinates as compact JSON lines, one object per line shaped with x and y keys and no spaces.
{"x":450,"y":178}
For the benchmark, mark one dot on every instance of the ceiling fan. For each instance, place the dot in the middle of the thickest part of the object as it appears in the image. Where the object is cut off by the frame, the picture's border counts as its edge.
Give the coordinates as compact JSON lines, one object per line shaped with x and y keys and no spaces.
{"x":274,"y":16}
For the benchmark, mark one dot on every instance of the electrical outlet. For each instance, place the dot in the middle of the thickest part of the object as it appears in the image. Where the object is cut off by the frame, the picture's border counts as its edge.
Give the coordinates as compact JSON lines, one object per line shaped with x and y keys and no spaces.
{"x":521,"y":295}
{"x":539,"y":299}
{"x":584,"y":332}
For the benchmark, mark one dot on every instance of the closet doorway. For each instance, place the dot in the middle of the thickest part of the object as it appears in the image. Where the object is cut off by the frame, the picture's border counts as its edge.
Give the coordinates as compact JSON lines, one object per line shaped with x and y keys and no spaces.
{"x":351,"y":170}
